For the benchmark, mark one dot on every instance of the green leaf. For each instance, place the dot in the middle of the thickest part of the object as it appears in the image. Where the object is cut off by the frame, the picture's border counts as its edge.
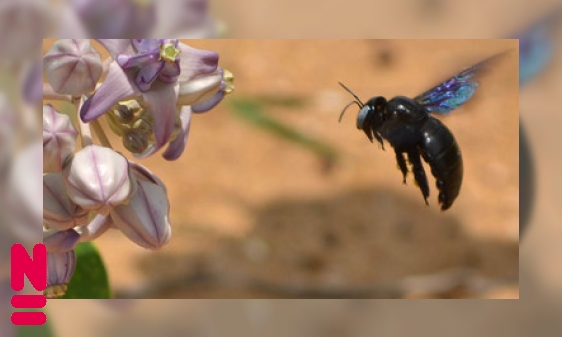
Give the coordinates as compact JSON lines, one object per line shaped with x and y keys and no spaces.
{"x":252,"y":111}
{"x":90,"y":278}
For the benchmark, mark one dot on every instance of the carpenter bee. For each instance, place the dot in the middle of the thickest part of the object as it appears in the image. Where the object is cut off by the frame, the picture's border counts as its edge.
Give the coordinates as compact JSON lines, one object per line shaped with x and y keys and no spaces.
{"x":407,"y":125}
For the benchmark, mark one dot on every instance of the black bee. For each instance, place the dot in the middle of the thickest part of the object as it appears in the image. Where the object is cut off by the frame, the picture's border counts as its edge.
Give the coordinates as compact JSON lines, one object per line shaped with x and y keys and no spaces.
{"x":407,"y":125}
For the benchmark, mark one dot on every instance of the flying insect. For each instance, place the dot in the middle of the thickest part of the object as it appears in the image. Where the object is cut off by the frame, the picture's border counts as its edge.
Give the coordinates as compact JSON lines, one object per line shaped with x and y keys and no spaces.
{"x":407,"y":124}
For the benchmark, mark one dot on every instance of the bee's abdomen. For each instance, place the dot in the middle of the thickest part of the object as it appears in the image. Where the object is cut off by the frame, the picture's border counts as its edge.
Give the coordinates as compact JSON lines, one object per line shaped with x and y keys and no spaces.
{"x":440,"y":150}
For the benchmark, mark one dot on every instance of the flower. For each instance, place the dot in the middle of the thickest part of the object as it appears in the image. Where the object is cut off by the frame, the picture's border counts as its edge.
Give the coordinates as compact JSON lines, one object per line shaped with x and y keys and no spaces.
{"x":59,"y":139}
{"x":60,"y":268}
{"x":98,"y":178}
{"x":153,"y":72}
{"x":72,"y":67}
{"x":155,"y":59}
{"x":145,"y":219}
{"x":115,"y":18}
{"x":59,"y":211}
{"x":207,"y":88}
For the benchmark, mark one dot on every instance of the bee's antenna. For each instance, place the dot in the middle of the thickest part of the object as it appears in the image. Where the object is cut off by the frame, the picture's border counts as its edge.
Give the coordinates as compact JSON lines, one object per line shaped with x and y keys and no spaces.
{"x":351,"y":92}
{"x":347,"y":106}
{"x":357,"y":101}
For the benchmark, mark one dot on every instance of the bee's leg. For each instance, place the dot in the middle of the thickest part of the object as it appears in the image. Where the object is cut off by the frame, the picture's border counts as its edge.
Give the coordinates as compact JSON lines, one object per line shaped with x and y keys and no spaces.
{"x":401,"y":160}
{"x":419,"y":173}
{"x":378,"y":138}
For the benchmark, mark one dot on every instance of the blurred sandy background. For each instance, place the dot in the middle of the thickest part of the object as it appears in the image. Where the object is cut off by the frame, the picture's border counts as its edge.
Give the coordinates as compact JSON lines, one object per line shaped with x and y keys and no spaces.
{"x":540,"y":250}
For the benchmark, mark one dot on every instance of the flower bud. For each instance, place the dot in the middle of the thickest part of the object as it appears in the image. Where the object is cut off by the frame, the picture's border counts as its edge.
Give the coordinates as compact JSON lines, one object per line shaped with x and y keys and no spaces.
{"x":227,"y":87}
{"x":60,"y":241}
{"x":143,"y":173}
{"x":99,"y":225}
{"x":59,"y":139}
{"x":73,"y":67}
{"x":59,"y":211}
{"x":145,"y":220}
{"x":99,"y":178}
{"x":200,"y":89}
{"x":60,"y":268}
{"x":135,"y":140}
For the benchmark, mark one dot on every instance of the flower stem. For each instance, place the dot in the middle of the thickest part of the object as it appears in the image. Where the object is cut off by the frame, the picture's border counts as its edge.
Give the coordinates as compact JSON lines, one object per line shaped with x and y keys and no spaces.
{"x":106,"y":64}
{"x":98,"y":130}
{"x":85,"y":131}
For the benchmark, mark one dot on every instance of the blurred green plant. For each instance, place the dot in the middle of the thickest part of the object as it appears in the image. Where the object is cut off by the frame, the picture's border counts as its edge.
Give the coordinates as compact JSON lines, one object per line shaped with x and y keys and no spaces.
{"x":287,"y":101}
{"x":90,"y":277}
{"x":44,"y":330}
{"x":253,"y":110}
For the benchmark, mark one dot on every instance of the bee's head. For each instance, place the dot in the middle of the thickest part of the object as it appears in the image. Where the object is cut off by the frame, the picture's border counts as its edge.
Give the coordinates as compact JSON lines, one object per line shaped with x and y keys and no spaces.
{"x":371,"y":115}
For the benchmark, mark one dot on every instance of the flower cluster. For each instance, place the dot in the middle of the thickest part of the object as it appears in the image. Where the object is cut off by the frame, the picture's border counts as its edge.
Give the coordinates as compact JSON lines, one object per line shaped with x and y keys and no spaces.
{"x":150,"y":90}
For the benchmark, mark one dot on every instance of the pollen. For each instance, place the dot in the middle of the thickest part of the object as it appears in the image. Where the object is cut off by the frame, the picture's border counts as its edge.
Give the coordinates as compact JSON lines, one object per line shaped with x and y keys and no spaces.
{"x":229,"y":80}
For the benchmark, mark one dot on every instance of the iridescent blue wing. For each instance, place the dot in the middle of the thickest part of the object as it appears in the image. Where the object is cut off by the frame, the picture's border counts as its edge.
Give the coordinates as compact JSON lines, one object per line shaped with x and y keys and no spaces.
{"x":457,"y":90}
{"x":536,"y":46}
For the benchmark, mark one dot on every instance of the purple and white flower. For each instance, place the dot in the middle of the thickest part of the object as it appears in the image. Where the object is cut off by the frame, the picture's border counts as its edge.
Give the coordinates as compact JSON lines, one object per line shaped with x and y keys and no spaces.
{"x":157,"y":73}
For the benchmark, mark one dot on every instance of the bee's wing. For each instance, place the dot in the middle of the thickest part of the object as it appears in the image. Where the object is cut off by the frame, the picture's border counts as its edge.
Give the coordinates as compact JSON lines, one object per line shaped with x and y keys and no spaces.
{"x":536,"y":45}
{"x":455,"y":91}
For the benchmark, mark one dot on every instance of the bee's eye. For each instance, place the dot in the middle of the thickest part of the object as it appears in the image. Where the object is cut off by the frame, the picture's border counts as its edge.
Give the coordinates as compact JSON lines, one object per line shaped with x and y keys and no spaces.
{"x":362,"y":116}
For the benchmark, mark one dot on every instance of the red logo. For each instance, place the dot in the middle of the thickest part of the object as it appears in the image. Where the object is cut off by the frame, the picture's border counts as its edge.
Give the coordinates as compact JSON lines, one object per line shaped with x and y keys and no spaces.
{"x":36,"y":271}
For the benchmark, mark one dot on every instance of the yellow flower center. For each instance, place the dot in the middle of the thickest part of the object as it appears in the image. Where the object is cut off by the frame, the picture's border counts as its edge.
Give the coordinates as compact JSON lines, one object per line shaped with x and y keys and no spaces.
{"x":169,"y":52}
{"x":229,"y":80}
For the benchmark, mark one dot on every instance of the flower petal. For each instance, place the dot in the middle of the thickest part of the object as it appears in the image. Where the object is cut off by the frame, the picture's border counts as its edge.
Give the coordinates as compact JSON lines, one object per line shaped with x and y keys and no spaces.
{"x":59,"y":139}
{"x":143,"y":173}
{"x":59,"y":211}
{"x":177,"y":146}
{"x":99,"y":225}
{"x":99,"y":178}
{"x":162,"y":100}
{"x":196,"y":62}
{"x":116,"y":87}
{"x":146,"y":45}
{"x":60,"y":268}
{"x":208,"y":104}
{"x":147,"y":75}
{"x":145,"y":219}
{"x":139,"y":60}
{"x":170,"y":72}
{"x":200,"y":89}
{"x":117,"y":46}
{"x":60,"y":241}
